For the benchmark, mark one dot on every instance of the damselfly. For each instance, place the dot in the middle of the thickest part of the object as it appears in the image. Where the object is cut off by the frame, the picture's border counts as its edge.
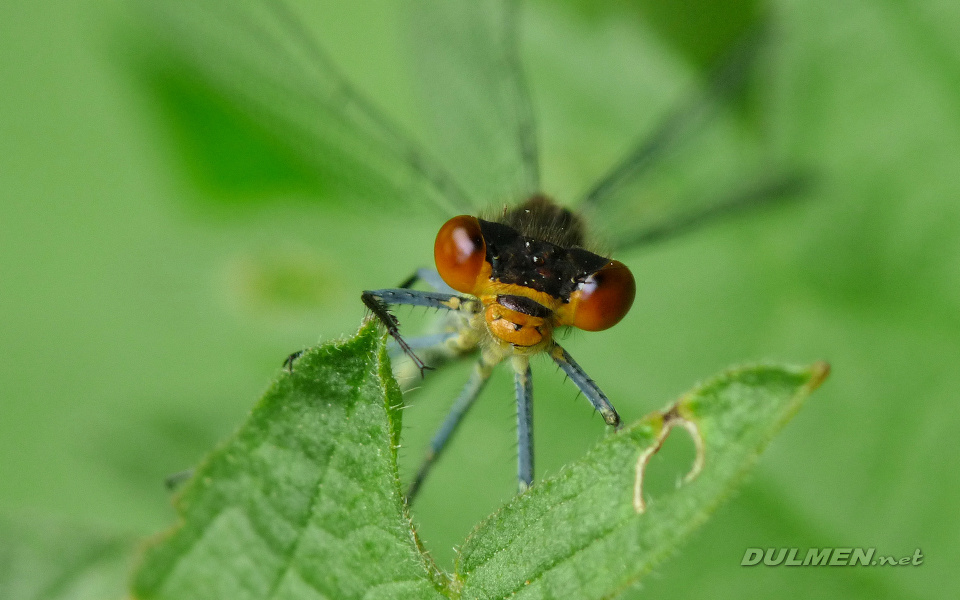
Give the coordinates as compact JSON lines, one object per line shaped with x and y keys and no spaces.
{"x":508,"y":279}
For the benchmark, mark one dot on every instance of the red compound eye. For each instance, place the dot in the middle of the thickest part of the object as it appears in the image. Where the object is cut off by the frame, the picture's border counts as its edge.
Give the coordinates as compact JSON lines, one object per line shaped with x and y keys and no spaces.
{"x":460,"y":252}
{"x":605,"y":298}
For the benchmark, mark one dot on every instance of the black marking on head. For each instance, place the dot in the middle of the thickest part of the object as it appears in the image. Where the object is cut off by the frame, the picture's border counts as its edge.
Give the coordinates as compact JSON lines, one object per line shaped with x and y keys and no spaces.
{"x":524,"y":305}
{"x":537,"y":264}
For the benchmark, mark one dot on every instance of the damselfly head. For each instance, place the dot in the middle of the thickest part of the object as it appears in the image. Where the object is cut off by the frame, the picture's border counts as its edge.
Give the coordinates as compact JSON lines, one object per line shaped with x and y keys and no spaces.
{"x":530,"y":273}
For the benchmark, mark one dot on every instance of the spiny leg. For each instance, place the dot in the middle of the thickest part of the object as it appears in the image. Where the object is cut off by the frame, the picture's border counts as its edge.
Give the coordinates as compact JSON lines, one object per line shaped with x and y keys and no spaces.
{"x":421,"y":342}
{"x":479,"y":378}
{"x":586,"y":385}
{"x":432,"y":279}
{"x":428,"y":276}
{"x":454,"y":345}
{"x":523,"y":381}
{"x":378,"y":301}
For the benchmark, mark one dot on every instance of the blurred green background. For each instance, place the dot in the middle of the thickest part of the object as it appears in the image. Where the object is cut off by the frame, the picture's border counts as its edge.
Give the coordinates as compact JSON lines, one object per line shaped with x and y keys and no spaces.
{"x":157,"y":264}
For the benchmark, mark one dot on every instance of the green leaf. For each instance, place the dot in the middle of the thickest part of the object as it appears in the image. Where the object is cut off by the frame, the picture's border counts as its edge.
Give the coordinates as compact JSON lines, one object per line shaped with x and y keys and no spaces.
{"x":57,"y":562}
{"x":304,"y":500}
{"x":589,"y":533}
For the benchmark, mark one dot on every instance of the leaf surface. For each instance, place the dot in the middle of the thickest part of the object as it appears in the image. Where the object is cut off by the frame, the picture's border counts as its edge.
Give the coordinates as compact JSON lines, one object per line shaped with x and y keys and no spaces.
{"x":303,"y":501}
{"x":589,"y":531}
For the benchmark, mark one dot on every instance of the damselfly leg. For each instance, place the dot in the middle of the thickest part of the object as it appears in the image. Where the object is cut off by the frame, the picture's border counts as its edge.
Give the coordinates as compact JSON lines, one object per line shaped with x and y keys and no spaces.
{"x":478,"y":379}
{"x":586,"y":385}
{"x":379,"y":301}
{"x":523,"y":382}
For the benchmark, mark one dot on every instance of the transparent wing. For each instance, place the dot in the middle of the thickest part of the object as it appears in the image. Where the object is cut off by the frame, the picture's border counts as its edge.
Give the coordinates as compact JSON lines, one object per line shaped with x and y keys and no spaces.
{"x":767,"y":190}
{"x":474,"y":95}
{"x":262,"y":60}
{"x":700,"y":163}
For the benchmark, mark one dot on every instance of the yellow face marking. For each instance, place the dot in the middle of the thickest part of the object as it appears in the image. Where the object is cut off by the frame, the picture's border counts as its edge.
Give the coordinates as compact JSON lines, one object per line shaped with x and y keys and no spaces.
{"x":515,"y":327}
{"x":565,"y":312}
{"x":518,"y":329}
{"x":492,"y":289}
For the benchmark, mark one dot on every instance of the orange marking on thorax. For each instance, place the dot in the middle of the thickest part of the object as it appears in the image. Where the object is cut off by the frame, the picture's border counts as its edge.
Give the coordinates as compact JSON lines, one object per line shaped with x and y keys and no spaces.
{"x":515,"y":327}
